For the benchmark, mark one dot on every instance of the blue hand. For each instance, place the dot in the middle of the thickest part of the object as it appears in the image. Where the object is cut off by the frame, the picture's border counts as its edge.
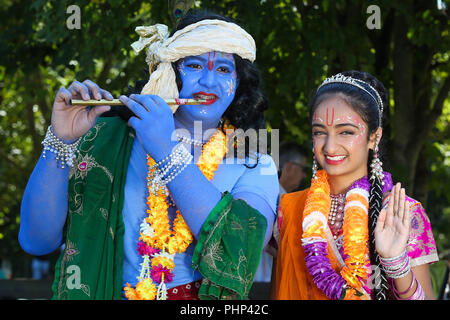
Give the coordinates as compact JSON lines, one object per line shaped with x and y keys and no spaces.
{"x":154,"y":124}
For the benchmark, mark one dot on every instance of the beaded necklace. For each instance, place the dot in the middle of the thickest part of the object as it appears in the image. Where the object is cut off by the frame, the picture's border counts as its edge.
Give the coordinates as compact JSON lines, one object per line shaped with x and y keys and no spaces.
{"x":336,"y":216}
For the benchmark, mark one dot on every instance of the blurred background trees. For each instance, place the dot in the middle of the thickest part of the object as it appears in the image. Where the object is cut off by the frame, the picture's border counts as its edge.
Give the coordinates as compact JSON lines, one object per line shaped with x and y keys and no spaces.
{"x":299,"y":44}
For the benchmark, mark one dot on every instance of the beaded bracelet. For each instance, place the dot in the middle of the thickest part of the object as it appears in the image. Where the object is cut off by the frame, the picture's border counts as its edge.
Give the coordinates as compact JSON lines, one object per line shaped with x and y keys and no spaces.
{"x":396,"y":267}
{"x":65,"y":152}
{"x":169,"y":168}
{"x":177,"y":158}
{"x":177,"y":164}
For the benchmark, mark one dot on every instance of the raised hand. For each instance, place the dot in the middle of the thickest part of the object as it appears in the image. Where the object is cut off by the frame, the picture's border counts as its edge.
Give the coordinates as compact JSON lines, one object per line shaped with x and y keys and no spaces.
{"x":393,"y":225}
{"x":70,"y":122}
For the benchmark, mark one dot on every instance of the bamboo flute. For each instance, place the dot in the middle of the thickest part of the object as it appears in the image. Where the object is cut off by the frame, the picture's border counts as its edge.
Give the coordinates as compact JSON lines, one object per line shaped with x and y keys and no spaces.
{"x":117,"y":102}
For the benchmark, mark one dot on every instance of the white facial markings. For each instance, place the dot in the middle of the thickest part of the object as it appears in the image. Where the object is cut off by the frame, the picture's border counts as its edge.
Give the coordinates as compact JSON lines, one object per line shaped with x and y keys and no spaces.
{"x":181,"y":67}
{"x":231,"y":87}
{"x":317,"y":118}
{"x":359,"y":138}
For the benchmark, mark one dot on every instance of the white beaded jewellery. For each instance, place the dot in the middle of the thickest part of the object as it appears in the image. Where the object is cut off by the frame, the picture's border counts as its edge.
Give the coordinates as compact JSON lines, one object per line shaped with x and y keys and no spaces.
{"x":168,"y":168}
{"x":65,"y":152}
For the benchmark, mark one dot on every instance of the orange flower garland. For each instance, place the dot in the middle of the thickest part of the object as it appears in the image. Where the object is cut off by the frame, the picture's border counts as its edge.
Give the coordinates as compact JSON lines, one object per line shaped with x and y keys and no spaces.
{"x":314,"y":239}
{"x":155,"y":232}
{"x":356,"y":236}
{"x":212,"y":155}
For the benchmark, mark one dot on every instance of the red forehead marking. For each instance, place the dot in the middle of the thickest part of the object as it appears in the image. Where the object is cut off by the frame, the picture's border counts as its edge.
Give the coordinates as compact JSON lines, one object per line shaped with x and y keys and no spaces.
{"x":211,"y":62}
{"x":332,"y":117}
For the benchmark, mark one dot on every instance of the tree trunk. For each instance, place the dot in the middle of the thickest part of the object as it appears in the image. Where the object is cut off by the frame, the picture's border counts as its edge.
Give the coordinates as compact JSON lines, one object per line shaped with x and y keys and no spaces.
{"x":421,"y":179}
{"x":415,"y":112}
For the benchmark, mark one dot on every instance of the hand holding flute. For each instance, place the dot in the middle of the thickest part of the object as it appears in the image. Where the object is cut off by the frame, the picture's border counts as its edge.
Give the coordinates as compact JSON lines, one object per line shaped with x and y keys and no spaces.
{"x":69,"y":122}
{"x":72,"y":116}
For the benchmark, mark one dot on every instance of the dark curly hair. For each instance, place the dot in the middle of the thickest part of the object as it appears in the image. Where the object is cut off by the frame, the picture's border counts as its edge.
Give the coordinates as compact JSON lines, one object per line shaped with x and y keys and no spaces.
{"x":364,"y":104}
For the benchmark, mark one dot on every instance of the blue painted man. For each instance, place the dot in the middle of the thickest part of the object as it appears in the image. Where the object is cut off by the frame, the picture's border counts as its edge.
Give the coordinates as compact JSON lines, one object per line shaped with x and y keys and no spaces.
{"x":98,"y":204}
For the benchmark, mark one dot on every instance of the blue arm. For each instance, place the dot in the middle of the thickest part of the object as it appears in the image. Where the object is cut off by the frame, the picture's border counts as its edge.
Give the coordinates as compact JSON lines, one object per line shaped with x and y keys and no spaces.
{"x":44,"y":207}
{"x":259,"y":188}
{"x":195,"y":196}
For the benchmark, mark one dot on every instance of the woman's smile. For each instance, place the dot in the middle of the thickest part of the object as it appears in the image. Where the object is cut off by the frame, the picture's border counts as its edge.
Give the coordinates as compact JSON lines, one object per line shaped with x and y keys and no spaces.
{"x":334,"y":160}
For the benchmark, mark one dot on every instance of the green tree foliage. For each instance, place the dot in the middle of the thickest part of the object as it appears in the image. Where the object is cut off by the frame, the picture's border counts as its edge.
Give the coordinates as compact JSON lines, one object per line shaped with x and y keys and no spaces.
{"x":299,"y":44}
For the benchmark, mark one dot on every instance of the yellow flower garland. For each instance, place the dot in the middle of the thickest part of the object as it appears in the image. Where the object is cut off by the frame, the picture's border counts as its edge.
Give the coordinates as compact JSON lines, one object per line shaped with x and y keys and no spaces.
{"x":181,"y":237}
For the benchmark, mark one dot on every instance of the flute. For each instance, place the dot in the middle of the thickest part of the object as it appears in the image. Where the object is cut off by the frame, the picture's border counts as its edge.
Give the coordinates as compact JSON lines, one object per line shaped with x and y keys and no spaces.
{"x":117,"y":102}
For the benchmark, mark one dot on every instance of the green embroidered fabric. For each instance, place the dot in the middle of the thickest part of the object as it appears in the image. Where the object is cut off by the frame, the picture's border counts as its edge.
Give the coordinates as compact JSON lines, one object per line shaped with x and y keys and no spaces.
{"x":229,"y":249}
{"x":90,"y":267}
{"x":227,"y":253}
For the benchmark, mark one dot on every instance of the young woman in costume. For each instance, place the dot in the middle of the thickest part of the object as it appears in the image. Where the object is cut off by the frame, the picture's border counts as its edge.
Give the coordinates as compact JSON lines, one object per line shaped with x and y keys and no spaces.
{"x":149,"y":209}
{"x":352,"y":234}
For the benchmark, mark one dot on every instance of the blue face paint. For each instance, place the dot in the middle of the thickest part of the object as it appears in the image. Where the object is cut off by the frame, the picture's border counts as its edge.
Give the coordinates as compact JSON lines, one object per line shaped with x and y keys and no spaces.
{"x":210,"y":76}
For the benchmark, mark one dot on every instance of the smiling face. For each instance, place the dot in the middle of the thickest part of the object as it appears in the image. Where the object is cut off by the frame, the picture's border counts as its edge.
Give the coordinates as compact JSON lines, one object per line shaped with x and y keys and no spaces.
{"x":340,"y":138}
{"x":211,"y":76}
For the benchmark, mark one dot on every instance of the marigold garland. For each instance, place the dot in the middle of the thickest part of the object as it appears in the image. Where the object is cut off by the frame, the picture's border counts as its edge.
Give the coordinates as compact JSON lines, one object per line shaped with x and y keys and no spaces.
{"x":157,"y":243}
{"x":349,"y":283}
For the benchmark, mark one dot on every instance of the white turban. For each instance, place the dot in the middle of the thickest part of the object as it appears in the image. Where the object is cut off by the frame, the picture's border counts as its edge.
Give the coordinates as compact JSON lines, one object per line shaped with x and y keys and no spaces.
{"x":195,"y":39}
